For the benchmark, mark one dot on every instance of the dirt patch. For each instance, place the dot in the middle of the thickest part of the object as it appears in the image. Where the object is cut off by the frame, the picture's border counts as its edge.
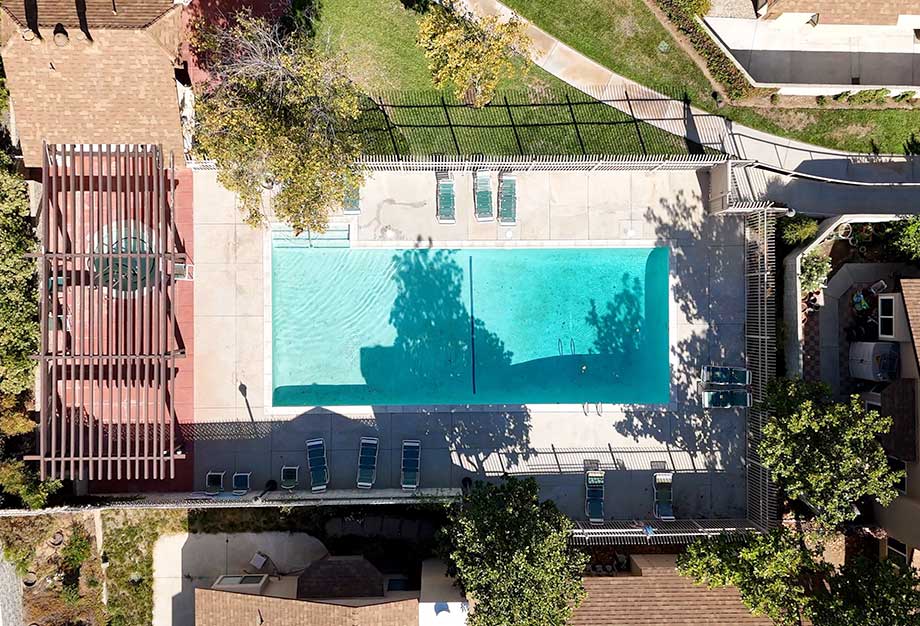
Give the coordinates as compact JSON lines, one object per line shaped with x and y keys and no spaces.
{"x":790,"y":119}
{"x":627,"y":25}
{"x":852,"y":130}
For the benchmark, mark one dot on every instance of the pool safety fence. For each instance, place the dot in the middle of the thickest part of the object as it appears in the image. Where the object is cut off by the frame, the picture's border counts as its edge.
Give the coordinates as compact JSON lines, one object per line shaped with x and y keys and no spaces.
{"x":655,"y":531}
{"x":760,"y":348}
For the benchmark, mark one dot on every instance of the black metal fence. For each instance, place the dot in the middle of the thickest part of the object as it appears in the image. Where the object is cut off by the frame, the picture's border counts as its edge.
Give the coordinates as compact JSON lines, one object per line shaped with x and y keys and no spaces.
{"x":514,"y":123}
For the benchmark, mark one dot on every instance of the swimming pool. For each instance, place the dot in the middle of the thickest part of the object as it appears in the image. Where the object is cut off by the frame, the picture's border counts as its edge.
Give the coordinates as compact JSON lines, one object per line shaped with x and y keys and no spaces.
{"x":472,"y":326}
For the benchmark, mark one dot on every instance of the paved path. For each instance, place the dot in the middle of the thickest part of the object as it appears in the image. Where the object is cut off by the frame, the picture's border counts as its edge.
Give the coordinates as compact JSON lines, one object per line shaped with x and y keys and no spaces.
{"x":684,"y":120}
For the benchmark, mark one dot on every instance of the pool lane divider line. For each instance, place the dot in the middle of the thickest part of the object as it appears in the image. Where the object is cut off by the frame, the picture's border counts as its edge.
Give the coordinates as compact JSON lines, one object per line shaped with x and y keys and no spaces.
{"x":472,"y":331}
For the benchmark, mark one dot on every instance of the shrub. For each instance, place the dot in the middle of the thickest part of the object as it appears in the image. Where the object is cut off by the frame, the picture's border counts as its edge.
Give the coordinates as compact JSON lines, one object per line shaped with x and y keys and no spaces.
{"x":798,"y":229}
{"x":16,"y":480}
{"x":843,"y":95}
{"x":821,"y":100}
{"x":720,"y":66}
{"x":906,"y":233}
{"x":696,"y":7}
{"x":77,"y":549}
{"x":774,"y":98}
{"x":868,"y":96}
{"x":904,"y":96}
{"x":815,"y":268}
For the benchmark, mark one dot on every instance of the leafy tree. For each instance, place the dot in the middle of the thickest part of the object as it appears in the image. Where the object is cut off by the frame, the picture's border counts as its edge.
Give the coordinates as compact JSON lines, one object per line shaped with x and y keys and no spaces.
{"x":472,"y":54}
{"x":815,"y":267}
{"x":827,"y":453}
{"x":17,"y":480}
{"x":798,"y":229}
{"x":274,"y":116}
{"x":869,"y":593}
{"x":510,"y":552}
{"x":906,"y":234}
{"x":772,"y":571}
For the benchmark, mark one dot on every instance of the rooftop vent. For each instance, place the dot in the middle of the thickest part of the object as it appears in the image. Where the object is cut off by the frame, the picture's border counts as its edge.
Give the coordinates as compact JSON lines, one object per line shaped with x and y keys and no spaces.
{"x":61,"y":38}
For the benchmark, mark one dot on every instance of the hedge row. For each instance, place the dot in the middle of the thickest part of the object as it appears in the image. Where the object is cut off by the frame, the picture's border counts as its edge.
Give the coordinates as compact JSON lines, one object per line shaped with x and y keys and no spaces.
{"x":722,"y":68}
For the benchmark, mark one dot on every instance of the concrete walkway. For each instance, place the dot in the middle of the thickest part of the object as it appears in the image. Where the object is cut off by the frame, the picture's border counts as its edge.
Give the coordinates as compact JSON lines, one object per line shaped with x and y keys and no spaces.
{"x":678,"y":118}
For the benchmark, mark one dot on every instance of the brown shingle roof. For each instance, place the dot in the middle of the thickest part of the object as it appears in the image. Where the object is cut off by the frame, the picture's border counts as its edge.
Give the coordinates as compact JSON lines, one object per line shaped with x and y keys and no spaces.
{"x":660,"y":596}
{"x":340,"y":577}
{"x":120,"y":88}
{"x":224,"y":608}
{"x":869,"y":12}
{"x":97,"y":13}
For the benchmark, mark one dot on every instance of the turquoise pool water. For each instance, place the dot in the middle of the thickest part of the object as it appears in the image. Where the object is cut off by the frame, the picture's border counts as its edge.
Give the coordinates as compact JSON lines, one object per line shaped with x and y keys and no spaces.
{"x":472,"y":326}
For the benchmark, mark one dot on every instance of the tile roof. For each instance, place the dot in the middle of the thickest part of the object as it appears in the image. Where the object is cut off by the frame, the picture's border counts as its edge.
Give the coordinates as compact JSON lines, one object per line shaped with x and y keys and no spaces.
{"x":659,"y":596}
{"x":224,"y":608}
{"x":119,"y":88}
{"x":97,"y":13}
{"x":868,"y":12}
{"x":340,"y":577}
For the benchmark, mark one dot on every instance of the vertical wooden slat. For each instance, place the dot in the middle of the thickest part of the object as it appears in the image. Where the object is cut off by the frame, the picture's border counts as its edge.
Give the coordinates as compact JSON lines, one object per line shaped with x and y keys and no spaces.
{"x":90,"y":201}
{"x":172,"y":308}
{"x":53,"y":240}
{"x":44,"y":391}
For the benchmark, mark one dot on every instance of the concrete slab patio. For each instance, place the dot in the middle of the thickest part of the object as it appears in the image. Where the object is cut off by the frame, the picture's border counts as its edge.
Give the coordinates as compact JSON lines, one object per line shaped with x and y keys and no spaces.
{"x":236,"y":429}
{"x":184,"y":562}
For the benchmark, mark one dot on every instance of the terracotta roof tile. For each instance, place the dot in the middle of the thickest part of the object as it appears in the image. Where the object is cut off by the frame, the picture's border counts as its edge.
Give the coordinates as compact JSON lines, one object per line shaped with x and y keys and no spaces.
{"x":223,"y":608}
{"x":660,"y":596}
{"x":97,"y":13}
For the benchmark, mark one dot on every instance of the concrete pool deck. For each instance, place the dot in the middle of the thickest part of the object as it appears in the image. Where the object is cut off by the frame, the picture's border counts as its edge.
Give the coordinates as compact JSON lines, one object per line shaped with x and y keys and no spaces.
{"x":236,"y":431}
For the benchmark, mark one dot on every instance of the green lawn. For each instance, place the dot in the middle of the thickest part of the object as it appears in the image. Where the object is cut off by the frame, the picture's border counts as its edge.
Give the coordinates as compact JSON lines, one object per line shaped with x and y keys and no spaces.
{"x":531,"y":114}
{"x":623,"y":35}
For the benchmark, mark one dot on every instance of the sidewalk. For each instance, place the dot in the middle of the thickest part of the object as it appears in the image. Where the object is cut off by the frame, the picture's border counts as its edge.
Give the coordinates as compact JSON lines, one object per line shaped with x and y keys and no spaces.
{"x":681,"y":119}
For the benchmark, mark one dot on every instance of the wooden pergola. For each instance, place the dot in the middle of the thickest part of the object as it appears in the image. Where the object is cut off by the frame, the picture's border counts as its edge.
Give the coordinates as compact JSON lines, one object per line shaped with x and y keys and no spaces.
{"x":107,"y":283}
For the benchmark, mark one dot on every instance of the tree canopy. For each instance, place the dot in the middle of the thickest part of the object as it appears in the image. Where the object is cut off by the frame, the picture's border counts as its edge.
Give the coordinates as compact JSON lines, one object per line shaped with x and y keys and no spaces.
{"x":510,"y":552}
{"x":869,"y":593}
{"x":18,"y":336}
{"x":275,"y":114}
{"x":782,"y":575}
{"x":471,"y":54}
{"x":825,"y":452}
{"x":772,"y":571}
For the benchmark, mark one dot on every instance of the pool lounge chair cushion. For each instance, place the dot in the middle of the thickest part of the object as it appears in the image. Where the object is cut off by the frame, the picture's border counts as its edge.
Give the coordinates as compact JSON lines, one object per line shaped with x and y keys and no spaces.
{"x":483,"y":195}
{"x":446,"y":210}
{"x":411,"y":458}
{"x":507,"y":211}
{"x":721,"y":375}
{"x":664,"y":495}
{"x":367,"y":462}
{"x":316,"y":459}
{"x":594,"y":496}
{"x":727,"y":399}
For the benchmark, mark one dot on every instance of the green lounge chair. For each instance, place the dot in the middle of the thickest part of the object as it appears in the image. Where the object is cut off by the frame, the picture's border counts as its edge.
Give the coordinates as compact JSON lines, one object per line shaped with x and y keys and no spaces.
{"x":664,"y":496}
{"x":411,"y":459}
{"x":721,"y":375}
{"x":726,"y":399}
{"x":594,"y":496}
{"x":483,"y":195}
{"x":241,"y":483}
{"x":214,"y":483}
{"x":289,"y":476}
{"x":445,"y":210}
{"x":507,"y":197}
{"x":316,"y":461}
{"x":367,"y":462}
